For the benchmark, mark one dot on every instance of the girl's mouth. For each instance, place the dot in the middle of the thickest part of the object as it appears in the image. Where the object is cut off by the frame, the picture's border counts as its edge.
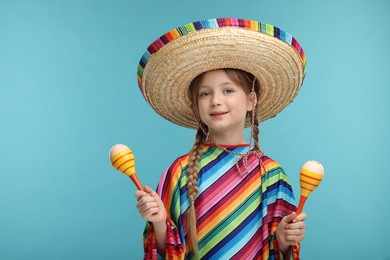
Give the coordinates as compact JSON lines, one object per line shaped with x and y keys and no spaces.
{"x":218,"y":113}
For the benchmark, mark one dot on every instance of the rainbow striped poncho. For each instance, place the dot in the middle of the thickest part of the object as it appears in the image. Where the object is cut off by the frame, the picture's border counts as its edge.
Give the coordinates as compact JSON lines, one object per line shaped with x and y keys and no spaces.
{"x":237,"y":215}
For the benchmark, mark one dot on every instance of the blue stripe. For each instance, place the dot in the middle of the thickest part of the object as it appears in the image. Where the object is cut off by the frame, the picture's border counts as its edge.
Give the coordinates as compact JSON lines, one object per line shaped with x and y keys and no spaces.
{"x":213,"y":23}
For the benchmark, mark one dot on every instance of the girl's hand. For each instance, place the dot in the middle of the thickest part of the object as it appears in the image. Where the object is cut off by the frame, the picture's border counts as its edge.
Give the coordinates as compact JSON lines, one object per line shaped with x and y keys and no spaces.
{"x":291,"y":230}
{"x":150,"y":206}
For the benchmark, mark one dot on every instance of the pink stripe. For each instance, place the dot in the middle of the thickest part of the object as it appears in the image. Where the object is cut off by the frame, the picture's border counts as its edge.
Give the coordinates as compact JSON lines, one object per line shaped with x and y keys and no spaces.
{"x":234,"y":22}
{"x":278,"y":212}
{"x":163,"y":177}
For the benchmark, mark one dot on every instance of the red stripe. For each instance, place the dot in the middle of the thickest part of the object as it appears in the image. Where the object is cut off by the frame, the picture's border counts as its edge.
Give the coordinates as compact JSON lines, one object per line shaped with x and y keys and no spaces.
{"x":125,"y":163}
{"x":128,"y":168}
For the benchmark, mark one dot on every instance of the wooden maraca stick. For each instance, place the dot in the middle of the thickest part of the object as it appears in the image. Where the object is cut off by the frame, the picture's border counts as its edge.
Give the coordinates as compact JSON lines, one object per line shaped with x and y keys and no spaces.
{"x":122,"y":158}
{"x":310,"y":177}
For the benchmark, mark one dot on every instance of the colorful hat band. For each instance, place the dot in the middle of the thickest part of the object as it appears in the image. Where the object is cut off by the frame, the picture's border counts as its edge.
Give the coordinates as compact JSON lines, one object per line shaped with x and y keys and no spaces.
{"x":217,"y":23}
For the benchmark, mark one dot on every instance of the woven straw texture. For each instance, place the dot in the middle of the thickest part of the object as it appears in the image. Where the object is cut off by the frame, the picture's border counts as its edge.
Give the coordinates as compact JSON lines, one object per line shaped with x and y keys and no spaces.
{"x":175,"y":59}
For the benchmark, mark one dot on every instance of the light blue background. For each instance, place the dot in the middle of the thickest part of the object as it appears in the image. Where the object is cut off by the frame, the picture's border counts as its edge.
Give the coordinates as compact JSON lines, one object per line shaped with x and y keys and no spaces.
{"x":68,"y":92}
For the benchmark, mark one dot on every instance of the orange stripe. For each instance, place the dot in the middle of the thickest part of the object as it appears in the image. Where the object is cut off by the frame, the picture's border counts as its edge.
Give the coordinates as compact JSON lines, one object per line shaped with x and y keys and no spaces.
{"x":314,"y":183}
{"x":311,"y":177}
{"x":247,"y":24}
{"x":311,"y":184}
{"x":265,"y":252}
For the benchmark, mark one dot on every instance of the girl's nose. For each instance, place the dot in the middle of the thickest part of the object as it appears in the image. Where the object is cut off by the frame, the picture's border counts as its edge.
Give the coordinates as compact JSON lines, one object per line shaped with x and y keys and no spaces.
{"x":216,"y":100}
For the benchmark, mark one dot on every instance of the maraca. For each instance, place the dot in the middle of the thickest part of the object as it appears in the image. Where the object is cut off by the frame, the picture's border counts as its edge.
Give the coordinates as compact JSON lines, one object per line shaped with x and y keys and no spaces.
{"x":310,"y":177}
{"x":122,"y":159}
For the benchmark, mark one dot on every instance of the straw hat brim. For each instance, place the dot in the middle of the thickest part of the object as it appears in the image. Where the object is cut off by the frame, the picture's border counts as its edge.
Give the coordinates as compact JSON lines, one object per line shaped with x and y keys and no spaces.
{"x":168,"y":72}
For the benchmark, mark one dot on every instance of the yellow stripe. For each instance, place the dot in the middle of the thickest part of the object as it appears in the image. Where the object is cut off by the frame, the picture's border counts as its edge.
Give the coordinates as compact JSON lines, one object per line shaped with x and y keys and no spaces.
{"x":254,"y":25}
{"x":271,"y":165}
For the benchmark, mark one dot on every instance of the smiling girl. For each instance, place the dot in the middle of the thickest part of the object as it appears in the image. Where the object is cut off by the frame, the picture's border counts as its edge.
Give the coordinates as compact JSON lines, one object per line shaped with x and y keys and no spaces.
{"x":225,"y":199}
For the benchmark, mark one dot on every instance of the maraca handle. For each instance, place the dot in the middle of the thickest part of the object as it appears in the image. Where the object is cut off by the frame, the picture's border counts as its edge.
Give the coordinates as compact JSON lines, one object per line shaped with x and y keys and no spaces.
{"x":134,"y":178}
{"x":302,"y":201}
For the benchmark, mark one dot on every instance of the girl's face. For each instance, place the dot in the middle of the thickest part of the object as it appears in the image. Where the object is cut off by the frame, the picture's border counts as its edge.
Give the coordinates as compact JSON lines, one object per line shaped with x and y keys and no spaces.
{"x":222,"y":104}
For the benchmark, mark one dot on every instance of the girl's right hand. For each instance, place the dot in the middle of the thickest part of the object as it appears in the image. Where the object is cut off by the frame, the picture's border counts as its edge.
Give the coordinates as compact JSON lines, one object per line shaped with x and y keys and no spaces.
{"x":150,"y":206}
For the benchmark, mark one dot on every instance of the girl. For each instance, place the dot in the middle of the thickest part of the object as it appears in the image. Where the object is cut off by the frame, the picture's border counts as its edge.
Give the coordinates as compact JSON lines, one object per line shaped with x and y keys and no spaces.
{"x":224,"y":199}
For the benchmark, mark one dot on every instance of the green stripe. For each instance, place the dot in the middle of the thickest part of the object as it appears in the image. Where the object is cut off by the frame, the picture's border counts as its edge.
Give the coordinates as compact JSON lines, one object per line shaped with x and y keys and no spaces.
{"x":190,"y":27}
{"x":274,"y":175}
{"x":175,"y":207}
{"x":209,"y":155}
{"x":269,"y":29}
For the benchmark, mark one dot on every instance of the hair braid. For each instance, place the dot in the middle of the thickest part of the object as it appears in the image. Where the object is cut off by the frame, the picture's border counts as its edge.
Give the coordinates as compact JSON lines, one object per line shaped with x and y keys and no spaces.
{"x":192,"y":175}
{"x":256,"y":133}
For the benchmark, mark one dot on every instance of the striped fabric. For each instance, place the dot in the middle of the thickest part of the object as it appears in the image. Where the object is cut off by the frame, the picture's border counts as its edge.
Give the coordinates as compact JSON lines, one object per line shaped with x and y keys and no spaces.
{"x":217,"y":23}
{"x":237,"y":215}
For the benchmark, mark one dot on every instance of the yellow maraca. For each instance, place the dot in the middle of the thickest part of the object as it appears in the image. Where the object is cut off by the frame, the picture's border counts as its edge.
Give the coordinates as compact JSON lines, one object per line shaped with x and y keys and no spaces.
{"x":310,"y":177}
{"x":122,"y":158}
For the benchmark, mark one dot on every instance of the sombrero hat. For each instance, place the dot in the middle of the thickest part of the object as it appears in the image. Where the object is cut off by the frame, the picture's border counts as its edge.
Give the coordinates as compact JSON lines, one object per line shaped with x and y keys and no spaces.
{"x":171,"y":62}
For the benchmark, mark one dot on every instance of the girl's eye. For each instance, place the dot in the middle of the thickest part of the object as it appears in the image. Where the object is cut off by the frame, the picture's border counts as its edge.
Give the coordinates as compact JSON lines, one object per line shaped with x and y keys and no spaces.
{"x":228,"y":91}
{"x":204,"y":94}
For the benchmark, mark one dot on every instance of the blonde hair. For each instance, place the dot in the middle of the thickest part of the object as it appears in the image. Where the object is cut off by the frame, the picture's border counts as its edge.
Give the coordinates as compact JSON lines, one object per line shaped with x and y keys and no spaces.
{"x":248,"y":83}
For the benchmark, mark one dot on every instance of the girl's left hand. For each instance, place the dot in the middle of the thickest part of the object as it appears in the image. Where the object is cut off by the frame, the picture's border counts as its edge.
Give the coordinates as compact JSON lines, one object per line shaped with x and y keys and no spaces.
{"x":291,"y":230}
